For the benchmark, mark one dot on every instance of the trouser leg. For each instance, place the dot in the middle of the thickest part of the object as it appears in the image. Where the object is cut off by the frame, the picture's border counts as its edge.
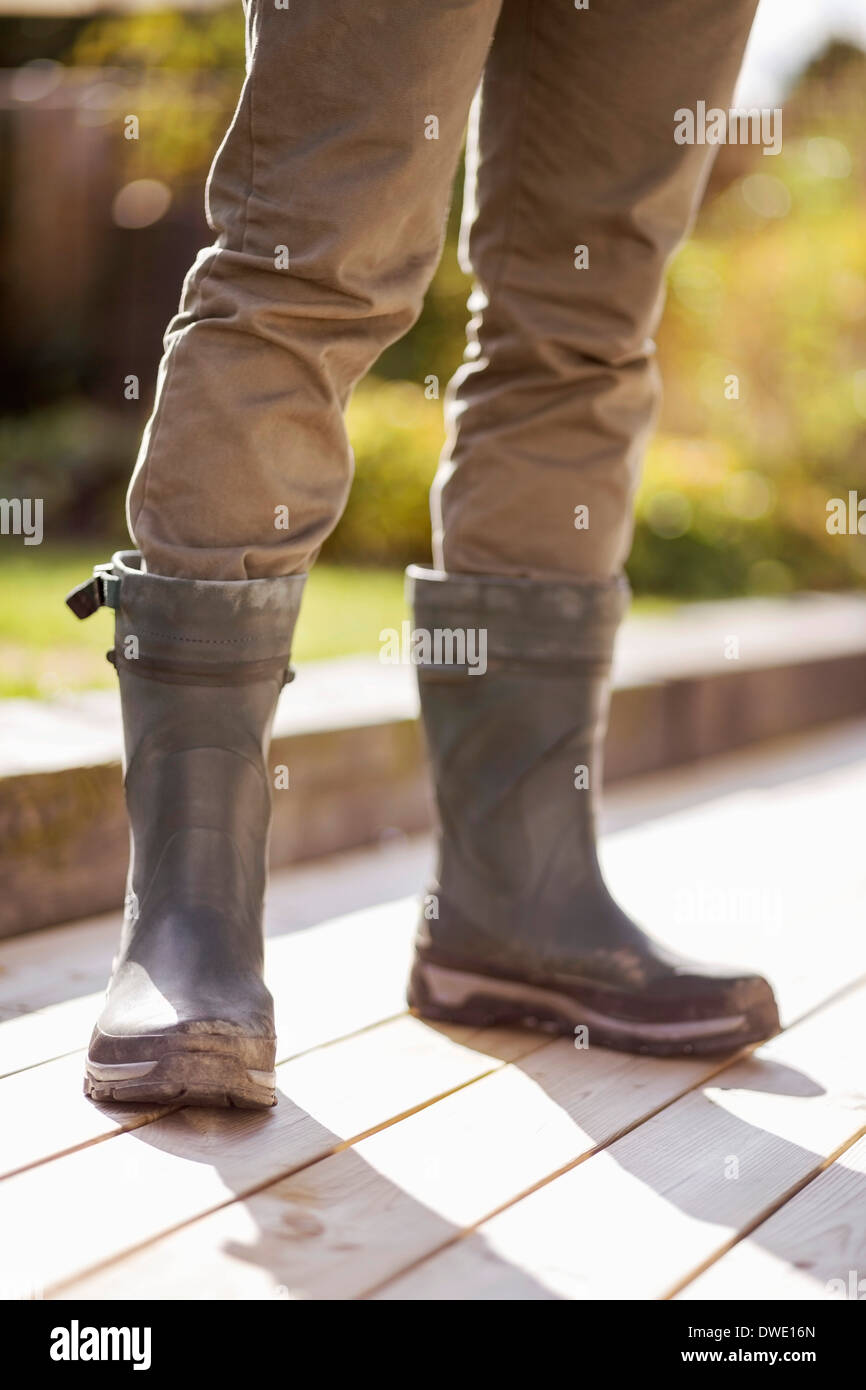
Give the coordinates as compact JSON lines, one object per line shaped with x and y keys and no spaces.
{"x":328,"y":198}
{"x":572,"y":145}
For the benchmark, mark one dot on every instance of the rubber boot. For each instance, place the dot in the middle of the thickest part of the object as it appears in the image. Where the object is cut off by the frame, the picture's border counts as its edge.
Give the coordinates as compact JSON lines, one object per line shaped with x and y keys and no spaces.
{"x":519,"y":927}
{"x":187,"y":1015}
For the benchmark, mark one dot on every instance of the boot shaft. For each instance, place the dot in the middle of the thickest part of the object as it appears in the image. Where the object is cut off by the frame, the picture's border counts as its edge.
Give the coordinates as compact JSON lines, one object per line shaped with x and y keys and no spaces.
{"x":200,"y":667}
{"x":516,"y":752}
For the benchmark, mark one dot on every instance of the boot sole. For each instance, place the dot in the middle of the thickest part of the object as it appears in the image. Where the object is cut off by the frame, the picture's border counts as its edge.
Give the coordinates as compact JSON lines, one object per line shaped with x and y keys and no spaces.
{"x":189,"y":1078}
{"x":461,"y":996}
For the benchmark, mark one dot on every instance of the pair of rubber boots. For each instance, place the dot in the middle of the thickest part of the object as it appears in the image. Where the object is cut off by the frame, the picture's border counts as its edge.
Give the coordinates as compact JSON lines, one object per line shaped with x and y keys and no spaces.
{"x":518,"y":928}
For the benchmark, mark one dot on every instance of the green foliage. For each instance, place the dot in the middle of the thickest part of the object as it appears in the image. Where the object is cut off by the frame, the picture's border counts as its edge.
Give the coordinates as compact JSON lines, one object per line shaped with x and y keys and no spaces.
{"x":179,"y":71}
{"x":182,"y":40}
{"x":396,"y":435}
{"x":772,"y":291}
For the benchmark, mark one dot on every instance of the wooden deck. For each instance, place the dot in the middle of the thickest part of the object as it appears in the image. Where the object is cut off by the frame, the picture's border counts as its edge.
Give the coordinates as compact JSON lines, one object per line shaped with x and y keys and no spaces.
{"x":406,"y":1161}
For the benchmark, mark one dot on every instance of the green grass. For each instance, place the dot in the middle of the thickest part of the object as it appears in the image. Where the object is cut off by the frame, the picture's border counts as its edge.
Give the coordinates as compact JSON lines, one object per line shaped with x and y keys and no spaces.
{"x":45,"y":650}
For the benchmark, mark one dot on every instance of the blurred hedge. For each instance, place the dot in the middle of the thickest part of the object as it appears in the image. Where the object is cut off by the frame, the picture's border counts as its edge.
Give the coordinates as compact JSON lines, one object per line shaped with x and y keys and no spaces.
{"x":396,"y":436}
{"x":75,"y":456}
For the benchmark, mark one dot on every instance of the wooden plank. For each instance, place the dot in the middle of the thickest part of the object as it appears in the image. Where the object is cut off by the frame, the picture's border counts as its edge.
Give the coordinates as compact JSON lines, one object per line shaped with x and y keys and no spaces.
{"x":343,"y":975}
{"x":49,"y":1033}
{"x":814,"y":1247}
{"x":64,"y":1120}
{"x":639,"y":1217}
{"x":54,"y":965}
{"x":327,"y":982}
{"x":68,"y":1215}
{"x":43,"y":968}
{"x":728,"y":913}
{"x":745,"y":877}
{"x":316,"y":1003}
{"x":46,"y":968}
{"x":779,"y":838}
{"x":344,"y":1224}
{"x":45,"y":1113}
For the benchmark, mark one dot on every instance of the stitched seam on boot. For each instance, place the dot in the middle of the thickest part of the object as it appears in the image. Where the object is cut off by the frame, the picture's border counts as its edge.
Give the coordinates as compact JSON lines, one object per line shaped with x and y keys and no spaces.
{"x":208,"y":641}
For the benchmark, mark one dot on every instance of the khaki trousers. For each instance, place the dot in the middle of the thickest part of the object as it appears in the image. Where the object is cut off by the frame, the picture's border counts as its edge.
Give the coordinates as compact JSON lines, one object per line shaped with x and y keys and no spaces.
{"x":328,"y":197}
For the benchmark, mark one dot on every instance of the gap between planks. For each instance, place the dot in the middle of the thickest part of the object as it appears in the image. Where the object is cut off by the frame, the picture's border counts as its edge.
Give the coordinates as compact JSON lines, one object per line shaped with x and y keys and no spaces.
{"x":643,"y":1214}
{"x":817,"y":1237}
{"x":388,"y":956}
{"x":350,"y":1221}
{"x":772,"y":1210}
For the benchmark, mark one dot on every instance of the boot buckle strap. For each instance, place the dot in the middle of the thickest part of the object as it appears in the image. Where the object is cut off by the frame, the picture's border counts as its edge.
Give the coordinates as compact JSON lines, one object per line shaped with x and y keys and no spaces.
{"x":101,"y":590}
